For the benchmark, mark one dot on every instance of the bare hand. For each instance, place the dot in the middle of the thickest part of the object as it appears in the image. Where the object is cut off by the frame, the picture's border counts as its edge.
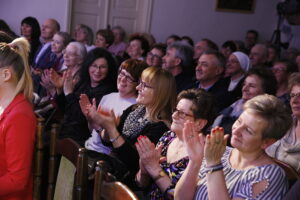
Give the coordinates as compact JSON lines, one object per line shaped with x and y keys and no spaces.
{"x":215,"y":146}
{"x":68,"y":82}
{"x":56,"y":79}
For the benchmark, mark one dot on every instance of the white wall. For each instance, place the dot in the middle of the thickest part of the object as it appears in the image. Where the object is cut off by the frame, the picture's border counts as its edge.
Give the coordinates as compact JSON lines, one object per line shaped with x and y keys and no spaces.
{"x":196,"y":18}
{"x":199,"y":19}
{"x":13,"y":11}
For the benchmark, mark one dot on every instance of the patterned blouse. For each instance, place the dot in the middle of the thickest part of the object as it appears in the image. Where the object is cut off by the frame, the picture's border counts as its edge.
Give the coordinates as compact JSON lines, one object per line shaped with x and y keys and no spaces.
{"x":240,"y":182}
{"x":173,"y":170}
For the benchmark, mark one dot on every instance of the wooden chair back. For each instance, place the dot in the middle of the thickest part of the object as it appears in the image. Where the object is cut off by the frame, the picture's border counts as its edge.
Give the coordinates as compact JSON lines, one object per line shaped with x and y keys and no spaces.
{"x":291,"y":173}
{"x":72,"y":151}
{"x":38,"y":160}
{"x":108,"y":189}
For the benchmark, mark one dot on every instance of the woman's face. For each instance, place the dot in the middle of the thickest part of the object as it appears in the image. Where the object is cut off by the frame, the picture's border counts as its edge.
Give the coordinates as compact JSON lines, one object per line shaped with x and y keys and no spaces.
{"x":145,"y":93}
{"x":252,"y":87}
{"x":100,"y":41}
{"x":233,"y":66}
{"x":134,"y":49}
{"x":181,"y":115}
{"x":247,"y":132}
{"x":80,"y":35}
{"x":26,"y":30}
{"x":126,"y":84}
{"x":71,"y":58}
{"x":280,"y":72}
{"x":98,"y":71}
{"x":154,"y":57}
{"x":295,"y":100}
{"x":57,"y":45}
{"x":117,"y":35}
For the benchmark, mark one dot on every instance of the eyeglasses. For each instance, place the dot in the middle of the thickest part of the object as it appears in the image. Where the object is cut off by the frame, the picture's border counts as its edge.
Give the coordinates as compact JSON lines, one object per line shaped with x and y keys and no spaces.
{"x":71,"y":54}
{"x":129,"y":79}
{"x":278,"y":69}
{"x":181,"y":114}
{"x":99,"y":67}
{"x":292,"y":95}
{"x":150,"y":54}
{"x":144,"y":85}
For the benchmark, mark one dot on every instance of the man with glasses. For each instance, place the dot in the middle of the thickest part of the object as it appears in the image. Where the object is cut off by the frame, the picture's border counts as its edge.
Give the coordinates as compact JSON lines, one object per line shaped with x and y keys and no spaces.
{"x":154,"y":56}
{"x":179,"y":62}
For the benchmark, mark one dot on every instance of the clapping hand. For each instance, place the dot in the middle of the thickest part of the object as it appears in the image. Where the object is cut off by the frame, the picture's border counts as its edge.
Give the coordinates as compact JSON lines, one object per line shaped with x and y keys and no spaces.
{"x":215,"y":146}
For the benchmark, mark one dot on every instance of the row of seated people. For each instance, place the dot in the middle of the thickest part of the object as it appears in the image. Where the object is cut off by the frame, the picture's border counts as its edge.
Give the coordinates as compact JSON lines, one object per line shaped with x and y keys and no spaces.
{"x":151,"y":117}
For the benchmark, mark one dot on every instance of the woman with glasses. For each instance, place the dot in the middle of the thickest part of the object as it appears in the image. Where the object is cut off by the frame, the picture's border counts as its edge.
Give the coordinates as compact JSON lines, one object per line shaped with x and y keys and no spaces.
{"x":128,"y":77}
{"x":97,"y":78}
{"x":162,"y":166}
{"x":150,"y":117}
{"x":288,"y":148}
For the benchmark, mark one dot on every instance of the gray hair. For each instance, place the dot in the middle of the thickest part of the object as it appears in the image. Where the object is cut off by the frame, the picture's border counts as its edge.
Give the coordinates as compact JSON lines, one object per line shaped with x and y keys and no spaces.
{"x":80,"y":49}
{"x":185,"y":52}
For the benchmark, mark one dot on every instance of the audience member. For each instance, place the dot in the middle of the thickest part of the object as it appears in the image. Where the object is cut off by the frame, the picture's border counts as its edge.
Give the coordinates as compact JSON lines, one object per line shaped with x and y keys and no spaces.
{"x":273,"y":54}
{"x":237,"y":66}
{"x":18,"y":122}
{"x":42,"y":56}
{"x":119,"y":46}
{"x":179,"y":62}
{"x":188,"y":40}
{"x":162,"y":176}
{"x":155,"y":55}
{"x":258,"y":81}
{"x":251,"y":39}
{"x":172,"y":38}
{"x":228,"y":48}
{"x":151,"y":117}
{"x":259,"y":55}
{"x":84,"y":34}
{"x":97,"y":78}
{"x":104,"y":38}
{"x":291,"y":54}
{"x":209,"y":73}
{"x":282,"y":69}
{"x":30,"y":29}
{"x":202,"y":46}
{"x":287,"y":149}
{"x":242,"y":172}
{"x":138,"y":47}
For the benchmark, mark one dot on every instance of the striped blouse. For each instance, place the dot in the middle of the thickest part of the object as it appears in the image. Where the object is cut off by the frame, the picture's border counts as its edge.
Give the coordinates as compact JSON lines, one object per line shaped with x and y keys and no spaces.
{"x":239,"y":182}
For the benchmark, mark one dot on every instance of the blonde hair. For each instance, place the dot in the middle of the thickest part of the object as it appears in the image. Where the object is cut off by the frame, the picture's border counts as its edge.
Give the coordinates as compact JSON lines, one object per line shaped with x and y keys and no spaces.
{"x":15,"y":55}
{"x":164,"y":92}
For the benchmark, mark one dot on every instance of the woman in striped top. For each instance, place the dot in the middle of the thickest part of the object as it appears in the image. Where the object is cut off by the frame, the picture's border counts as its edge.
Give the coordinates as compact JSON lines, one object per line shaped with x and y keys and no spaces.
{"x":242,"y":172}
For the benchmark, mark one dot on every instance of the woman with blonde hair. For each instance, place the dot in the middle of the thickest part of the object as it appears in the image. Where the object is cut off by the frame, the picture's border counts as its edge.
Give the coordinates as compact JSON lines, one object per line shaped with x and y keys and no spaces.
{"x":17,"y":133}
{"x":151,"y":117}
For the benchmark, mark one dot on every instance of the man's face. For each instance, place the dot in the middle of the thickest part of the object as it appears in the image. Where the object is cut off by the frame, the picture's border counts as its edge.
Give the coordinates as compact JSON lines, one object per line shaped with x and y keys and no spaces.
{"x":257,"y":56}
{"x":207,"y":68}
{"x":199,"y":48}
{"x":170,"y":60}
{"x":48,"y":29}
{"x":250,"y":39}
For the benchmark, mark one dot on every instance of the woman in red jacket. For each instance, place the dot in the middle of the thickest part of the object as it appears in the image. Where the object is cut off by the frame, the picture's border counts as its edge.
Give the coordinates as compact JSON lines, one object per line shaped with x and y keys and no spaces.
{"x":17,"y":122}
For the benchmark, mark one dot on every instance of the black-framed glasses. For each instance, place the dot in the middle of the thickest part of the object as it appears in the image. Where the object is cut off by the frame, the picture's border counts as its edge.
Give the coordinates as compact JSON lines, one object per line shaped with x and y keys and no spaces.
{"x":150,"y":54}
{"x":129,"y":79}
{"x":144,"y":85}
{"x":99,"y":67}
{"x":181,"y":114}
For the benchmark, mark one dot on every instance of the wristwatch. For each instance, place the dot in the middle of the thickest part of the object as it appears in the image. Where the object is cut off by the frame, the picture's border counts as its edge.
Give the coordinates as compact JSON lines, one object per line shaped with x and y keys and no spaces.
{"x":160,"y":175}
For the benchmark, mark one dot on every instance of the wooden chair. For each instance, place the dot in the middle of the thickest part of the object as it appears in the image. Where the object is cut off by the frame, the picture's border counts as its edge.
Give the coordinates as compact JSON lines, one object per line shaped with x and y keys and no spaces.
{"x":72,"y":169}
{"x":105,"y":187}
{"x":38,"y":159}
{"x":291,"y":173}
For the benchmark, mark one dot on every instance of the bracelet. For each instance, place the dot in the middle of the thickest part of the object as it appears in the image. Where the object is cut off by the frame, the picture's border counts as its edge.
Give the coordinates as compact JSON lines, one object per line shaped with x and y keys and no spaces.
{"x":114,"y":139}
{"x":210,"y":170}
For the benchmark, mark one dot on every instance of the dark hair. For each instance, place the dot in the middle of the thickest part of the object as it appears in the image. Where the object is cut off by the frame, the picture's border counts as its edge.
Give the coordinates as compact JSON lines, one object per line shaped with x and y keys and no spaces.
{"x":160,"y":46}
{"x":4,"y":37}
{"x":290,"y":66}
{"x":219,"y":56}
{"x":35,"y":27}
{"x":174,"y":37}
{"x":253,"y":32}
{"x":144,"y":43}
{"x":122,"y":31}
{"x":94,"y":54}
{"x":134,"y":67}
{"x":203,"y":106}
{"x":230,"y":44}
{"x":269,"y":83}
{"x":66,"y":37}
{"x":108,"y":36}
{"x":188,"y":39}
{"x":210,"y":44}
{"x":5,"y":28}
